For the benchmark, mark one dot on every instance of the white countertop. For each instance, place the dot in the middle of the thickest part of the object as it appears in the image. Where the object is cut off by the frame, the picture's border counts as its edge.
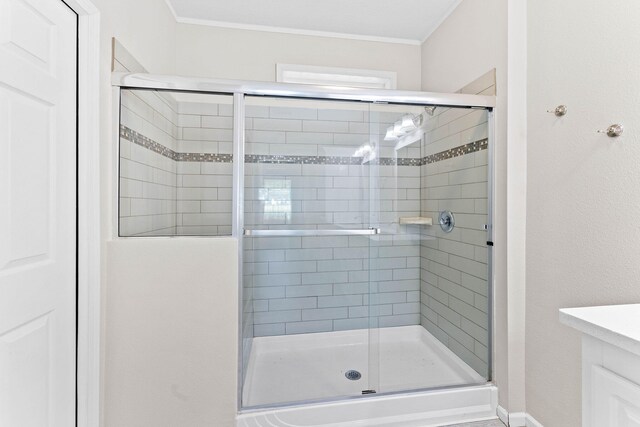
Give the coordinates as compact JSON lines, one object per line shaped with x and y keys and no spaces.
{"x":618,"y":325}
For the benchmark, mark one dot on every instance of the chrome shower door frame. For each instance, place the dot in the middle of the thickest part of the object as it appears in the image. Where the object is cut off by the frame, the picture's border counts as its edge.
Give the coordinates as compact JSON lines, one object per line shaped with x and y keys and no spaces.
{"x":239,"y":89}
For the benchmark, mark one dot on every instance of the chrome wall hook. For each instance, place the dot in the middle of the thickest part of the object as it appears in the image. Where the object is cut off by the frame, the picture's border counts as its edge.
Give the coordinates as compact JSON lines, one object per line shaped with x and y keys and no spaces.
{"x":613,"y":131}
{"x":560,"y":111}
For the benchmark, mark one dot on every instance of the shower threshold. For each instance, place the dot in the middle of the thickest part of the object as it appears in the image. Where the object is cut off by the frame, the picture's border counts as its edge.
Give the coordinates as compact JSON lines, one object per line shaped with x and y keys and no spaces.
{"x":294,"y":368}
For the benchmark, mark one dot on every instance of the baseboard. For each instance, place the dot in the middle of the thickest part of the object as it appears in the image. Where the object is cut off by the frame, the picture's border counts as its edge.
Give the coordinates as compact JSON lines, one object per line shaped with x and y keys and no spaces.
{"x":503,"y":415}
{"x":517,"y":419}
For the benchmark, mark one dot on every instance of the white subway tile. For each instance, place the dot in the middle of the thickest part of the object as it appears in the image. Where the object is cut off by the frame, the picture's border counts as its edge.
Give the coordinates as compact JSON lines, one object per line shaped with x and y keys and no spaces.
{"x":273,"y":329}
{"x":293,"y":113}
{"x":467,"y":311}
{"x":257,"y":111}
{"x":269,"y":292}
{"x":325,"y":278}
{"x":214,"y":168}
{"x":197,"y":108}
{"x":308,"y":254}
{"x":468,"y":266}
{"x":341,"y":115}
{"x":276,"y":316}
{"x":339,"y":301}
{"x":351,"y":288}
{"x":293,"y":150}
{"x":399,"y":320}
{"x":340,"y":265}
{"x":208,"y":206}
{"x":277,"y":125}
{"x":292,"y":303}
{"x":309,"y":138}
{"x":308,"y":290}
{"x":325,"y":126}
{"x":456,"y":333}
{"x":197,"y":193}
{"x":188,"y":206}
{"x":456,"y":290}
{"x":309,"y":327}
{"x":190,"y":121}
{"x":406,"y":308}
{"x":268,"y":137}
{"x":325,"y":313}
{"x":292,"y":267}
{"x":399,"y":286}
{"x":348,"y":324}
{"x":202,"y":134}
{"x":207,"y":181}
{"x":325,"y":242}
{"x":216,"y":122}
{"x":263,"y":255}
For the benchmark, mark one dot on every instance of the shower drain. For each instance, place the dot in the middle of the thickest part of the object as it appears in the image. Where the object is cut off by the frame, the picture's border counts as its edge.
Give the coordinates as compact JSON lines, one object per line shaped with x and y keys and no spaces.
{"x":353,"y":375}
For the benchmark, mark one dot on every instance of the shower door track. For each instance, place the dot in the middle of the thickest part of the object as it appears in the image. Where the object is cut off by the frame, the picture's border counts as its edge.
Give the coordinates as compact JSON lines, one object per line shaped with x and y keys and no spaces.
{"x":287,"y":90}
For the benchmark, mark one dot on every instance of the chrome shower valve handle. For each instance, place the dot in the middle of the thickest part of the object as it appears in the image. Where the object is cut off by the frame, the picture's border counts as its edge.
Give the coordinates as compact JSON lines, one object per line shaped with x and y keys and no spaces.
{"x":447,"y":221}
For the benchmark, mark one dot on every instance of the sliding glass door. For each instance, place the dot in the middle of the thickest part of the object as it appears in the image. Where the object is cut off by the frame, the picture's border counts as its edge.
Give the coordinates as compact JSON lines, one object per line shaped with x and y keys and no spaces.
{"x":308,"y":237}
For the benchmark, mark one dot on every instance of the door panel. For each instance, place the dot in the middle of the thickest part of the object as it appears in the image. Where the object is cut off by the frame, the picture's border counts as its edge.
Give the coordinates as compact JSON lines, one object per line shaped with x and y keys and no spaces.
{"x":38,"y":215}
{"x":307,"y":202}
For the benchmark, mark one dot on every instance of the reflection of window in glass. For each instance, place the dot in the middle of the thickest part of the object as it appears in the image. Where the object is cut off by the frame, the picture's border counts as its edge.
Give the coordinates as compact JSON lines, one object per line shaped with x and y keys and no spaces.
{"x":276,"y":199}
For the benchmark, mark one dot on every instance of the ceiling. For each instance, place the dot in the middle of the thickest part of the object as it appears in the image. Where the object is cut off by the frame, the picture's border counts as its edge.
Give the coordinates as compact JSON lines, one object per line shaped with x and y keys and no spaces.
{"x":400,"y":21}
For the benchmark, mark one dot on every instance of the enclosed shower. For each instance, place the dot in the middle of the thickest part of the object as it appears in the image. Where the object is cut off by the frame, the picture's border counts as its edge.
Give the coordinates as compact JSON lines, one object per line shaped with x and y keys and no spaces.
{"x":363,"y":218}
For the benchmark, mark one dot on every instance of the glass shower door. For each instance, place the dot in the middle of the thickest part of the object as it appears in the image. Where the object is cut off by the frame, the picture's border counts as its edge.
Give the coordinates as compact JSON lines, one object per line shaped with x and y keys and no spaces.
{"x":309,"y":178}
{"x":431,"y":281}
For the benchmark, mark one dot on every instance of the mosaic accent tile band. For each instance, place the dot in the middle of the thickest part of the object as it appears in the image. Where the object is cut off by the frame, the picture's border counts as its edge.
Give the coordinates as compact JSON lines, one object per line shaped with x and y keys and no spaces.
{"x":139,"y":139}
{"x":150,"y":144}
{"x":471,"y":147}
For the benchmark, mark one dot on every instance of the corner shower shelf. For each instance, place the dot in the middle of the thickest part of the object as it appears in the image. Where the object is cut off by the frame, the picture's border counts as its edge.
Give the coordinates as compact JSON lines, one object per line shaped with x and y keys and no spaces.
{"x":416,"y":220}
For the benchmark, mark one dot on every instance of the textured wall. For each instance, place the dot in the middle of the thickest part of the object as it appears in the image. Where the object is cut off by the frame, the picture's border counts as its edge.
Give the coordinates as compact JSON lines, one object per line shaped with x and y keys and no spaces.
{"x":167,"y":360}
{"x":252,"y":55}
{"x":470,"y":42}
{"x":583,"y":192}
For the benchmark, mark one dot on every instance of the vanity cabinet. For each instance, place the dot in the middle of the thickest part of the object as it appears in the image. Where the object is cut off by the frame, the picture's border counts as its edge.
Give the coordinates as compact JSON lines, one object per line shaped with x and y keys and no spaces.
{"x":610,"y":363}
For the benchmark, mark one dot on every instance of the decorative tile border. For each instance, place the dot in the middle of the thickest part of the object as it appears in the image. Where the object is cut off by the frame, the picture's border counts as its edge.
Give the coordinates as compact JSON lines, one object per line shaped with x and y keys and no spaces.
{"x":204,"y":157}
{"x":469,"y":148}
{"x":138,"y":138}
{"x":156,"y":147}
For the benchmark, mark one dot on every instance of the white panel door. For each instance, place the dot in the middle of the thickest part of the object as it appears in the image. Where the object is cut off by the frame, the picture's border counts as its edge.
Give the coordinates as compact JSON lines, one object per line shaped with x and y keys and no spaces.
{"x":37,"y":213}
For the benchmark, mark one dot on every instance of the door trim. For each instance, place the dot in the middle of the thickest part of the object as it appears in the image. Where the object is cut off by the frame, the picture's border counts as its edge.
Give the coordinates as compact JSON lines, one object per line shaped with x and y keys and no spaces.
{"x":88,"y":185}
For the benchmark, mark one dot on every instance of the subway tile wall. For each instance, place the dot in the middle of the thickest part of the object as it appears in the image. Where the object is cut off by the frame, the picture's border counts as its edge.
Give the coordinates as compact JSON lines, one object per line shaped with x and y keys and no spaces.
{"x":179,"y":181}
{"x":147,"y":197}
{"x":409,"y":275}
{"x":329,"y":283}
{"x":454,"y":282}
{"x":204,"y":188}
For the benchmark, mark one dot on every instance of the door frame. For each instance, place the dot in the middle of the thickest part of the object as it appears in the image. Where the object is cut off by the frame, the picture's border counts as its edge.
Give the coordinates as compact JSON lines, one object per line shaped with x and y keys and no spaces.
{"x":88,"y":214}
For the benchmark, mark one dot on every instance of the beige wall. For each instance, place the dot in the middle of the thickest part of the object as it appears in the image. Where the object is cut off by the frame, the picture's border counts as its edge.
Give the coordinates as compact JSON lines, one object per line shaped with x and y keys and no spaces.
{"x":168,"y":362}
{"x":583,"y":239}
{"x":226,"y":53}
{"x":471,"y":42}
{"x":137,"y":24}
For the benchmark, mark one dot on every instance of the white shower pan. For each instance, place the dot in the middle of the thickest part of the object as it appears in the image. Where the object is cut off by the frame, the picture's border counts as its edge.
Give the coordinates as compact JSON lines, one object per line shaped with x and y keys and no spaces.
{"x":311,"y":367}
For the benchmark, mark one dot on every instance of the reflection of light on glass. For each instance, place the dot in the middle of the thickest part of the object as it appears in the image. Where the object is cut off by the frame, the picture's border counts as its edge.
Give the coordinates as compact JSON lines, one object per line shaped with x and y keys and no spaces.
{"x":275,"y":196}
{"x":367,"y":152}
{"x":407,"y":124}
